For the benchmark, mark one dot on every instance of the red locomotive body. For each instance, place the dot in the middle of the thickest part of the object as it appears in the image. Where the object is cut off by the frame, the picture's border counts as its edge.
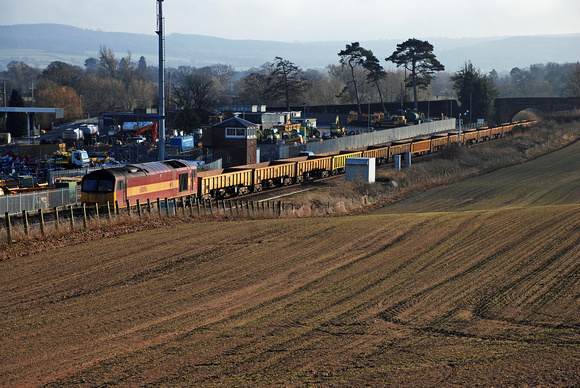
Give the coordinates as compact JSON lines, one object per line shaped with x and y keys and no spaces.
{"x":142,"y":181}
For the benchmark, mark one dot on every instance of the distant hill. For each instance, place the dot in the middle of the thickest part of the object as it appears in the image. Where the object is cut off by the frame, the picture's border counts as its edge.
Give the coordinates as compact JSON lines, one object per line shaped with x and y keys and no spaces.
{"x":40,"y":44}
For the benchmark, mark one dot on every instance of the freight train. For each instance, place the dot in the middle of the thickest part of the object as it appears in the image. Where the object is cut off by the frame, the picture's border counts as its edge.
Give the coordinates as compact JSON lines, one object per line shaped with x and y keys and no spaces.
{"x":181,"y":178}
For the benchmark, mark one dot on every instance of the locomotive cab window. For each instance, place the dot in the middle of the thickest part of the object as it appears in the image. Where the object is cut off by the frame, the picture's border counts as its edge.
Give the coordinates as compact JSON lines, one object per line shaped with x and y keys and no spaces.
{"x":98,"y":185}
{"x":106,"y":185}
{"x":90,"y":184}
{"x":183,"y":182}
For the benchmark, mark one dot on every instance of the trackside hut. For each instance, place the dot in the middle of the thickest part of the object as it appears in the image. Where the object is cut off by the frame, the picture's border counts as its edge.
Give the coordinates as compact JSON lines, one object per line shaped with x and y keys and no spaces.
{"x":234,"y":141}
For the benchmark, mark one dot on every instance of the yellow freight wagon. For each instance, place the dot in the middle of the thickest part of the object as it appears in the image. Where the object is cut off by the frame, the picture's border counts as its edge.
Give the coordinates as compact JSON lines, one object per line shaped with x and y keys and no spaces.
{"x":339,"y":161}
{"x":219,"y":184}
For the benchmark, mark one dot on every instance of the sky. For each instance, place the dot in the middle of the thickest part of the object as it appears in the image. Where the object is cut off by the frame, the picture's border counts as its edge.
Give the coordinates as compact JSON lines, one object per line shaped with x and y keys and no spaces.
{"x":307,"y":20}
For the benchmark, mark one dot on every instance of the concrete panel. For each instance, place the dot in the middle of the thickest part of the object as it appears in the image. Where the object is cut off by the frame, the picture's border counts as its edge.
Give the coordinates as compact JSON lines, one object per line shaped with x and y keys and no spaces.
{"x":378,"y":137}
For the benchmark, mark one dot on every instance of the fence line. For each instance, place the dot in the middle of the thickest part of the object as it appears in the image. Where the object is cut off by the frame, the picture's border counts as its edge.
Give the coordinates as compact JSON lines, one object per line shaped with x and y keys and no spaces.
{"x":34,"y":201}
{"x":72,"y":217}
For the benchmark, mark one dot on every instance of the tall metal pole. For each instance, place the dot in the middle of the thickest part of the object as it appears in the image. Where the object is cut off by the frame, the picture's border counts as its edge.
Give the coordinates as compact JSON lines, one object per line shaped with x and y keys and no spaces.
{"x":459,"y":129}
{"x":369,"y":113}
{"x":304,"y":120}
{"x":161,"y":32}
{"x":4,"y":96}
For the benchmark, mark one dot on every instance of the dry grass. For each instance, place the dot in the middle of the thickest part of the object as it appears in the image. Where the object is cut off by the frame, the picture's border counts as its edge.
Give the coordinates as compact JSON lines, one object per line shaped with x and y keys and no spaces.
{"x":450,"y":165}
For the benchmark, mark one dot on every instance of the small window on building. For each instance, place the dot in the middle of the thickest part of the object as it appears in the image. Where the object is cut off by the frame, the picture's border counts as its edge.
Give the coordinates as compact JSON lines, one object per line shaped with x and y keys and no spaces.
{"x":183,"y":182}
{"x":236,"y":132}
{"x":229,"y":159}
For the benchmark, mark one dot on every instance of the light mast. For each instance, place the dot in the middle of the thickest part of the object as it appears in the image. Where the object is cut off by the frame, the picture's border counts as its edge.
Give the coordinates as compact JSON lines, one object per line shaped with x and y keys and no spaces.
{"x":161,"y":111}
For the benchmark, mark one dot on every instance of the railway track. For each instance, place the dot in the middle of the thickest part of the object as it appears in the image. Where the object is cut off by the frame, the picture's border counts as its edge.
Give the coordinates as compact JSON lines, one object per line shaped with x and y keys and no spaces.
{"x":284,"y":191}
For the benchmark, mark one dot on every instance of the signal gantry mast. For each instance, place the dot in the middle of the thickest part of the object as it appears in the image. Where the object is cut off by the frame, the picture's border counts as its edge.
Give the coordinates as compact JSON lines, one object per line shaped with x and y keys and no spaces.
{"x":161,"y":32}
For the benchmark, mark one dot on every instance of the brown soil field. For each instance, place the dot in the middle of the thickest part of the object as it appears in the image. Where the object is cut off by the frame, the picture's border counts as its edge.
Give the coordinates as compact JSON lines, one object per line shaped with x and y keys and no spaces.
{"x":475,"y":283}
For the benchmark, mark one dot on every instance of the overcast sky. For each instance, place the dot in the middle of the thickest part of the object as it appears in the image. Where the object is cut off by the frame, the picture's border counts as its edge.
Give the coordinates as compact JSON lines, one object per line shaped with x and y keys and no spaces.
{"x":308,"y":20}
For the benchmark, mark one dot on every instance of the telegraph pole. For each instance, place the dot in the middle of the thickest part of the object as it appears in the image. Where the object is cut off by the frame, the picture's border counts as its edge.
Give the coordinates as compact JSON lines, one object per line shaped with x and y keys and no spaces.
{"x":161,"y":32}
{"x":4,"y":100}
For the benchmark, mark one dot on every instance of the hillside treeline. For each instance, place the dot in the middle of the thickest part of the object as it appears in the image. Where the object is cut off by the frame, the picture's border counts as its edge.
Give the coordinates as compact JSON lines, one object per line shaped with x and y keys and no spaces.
{"x":111,"y":84}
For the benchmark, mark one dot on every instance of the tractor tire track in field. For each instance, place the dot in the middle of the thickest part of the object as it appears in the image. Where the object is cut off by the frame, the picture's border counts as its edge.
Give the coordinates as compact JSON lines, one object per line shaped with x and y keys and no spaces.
{"x":304,"y":331}
{"x":486,"y":302}
{"x":553,"y":269}
{"x":338,"y":316}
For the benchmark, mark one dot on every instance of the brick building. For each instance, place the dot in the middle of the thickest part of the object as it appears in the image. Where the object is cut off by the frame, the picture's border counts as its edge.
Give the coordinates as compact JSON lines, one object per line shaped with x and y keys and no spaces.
{"x":234,"y":141}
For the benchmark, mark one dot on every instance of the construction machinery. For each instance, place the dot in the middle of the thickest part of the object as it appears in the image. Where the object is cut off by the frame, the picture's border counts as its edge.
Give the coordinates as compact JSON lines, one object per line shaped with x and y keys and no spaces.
{"x":139,"y":128}
{"x":353,"y":118}
{"x":393,"y":121}
{"x":336,"y":129}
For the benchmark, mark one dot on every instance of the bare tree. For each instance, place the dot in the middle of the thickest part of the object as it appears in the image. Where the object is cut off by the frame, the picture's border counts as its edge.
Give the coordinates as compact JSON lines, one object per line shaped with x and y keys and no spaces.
{"x":107,"y":61}
{"x":286,"y":82}
{"x":21,"y":76}
{"x":253,"y":86}
{"x":573,"y":81}
{"x":62,"y":74}
{"x":63,"y":97}
{"x":102,"y":94}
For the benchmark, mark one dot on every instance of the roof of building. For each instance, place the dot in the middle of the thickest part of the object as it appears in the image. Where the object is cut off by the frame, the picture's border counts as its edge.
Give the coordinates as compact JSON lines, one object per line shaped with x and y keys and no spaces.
{"x":235,"y":122}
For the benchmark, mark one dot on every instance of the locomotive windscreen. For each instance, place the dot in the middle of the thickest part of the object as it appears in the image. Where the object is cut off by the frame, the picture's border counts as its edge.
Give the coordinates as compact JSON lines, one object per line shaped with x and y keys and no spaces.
{"x":99,"y":185}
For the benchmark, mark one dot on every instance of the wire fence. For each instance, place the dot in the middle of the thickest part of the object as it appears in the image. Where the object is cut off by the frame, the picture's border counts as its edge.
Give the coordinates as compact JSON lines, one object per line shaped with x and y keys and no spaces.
{"x":14,"y":227}
{"x":46,"y":199}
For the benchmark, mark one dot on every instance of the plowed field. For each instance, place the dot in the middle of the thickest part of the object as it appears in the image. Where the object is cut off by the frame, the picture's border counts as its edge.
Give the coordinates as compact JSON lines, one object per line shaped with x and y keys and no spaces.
{"x":475,"y":283}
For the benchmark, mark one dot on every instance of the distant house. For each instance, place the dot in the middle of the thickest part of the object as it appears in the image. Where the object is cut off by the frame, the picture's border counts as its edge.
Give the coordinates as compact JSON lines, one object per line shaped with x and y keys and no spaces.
{"x":233,"y":140}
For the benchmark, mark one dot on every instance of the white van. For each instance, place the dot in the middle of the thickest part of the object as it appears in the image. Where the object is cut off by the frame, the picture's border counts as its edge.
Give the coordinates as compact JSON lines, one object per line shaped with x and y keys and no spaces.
{"x":80,"y":158}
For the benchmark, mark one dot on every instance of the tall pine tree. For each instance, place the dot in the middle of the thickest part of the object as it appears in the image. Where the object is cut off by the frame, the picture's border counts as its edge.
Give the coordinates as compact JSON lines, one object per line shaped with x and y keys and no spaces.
{"x":417,"y":57}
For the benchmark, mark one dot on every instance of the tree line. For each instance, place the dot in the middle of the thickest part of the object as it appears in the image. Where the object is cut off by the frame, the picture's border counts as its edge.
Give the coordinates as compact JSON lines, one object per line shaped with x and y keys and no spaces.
{"x":111,"y":84}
